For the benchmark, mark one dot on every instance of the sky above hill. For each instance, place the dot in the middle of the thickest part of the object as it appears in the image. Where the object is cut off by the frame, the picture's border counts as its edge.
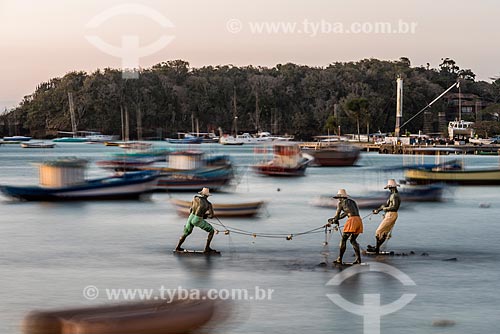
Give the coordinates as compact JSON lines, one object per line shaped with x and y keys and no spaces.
{"x":40,"y":40}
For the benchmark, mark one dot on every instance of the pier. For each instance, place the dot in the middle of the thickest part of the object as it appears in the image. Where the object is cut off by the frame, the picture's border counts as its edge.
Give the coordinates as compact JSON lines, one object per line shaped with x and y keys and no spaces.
{"x":491,"y":149}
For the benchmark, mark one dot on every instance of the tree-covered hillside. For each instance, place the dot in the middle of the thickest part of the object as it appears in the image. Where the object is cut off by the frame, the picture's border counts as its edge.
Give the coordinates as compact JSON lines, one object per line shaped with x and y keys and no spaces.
{"x":294,"y":99}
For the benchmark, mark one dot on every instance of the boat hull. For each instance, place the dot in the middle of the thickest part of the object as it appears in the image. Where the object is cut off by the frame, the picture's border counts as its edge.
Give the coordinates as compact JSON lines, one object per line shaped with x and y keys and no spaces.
{"x":130,"y":186}
{"x":187,"y":141}
{"x":177,"y":316}
{"x":17,"y":138}
{"x":333,"y":158}
{"x":69,"y":140}
{"x":37,"y":145}
{"x":432,"y":193}
{"x":461,"y":177}
{"x":248,"y":209}
{"x":193,"y":180}
{"x":271,"y":170}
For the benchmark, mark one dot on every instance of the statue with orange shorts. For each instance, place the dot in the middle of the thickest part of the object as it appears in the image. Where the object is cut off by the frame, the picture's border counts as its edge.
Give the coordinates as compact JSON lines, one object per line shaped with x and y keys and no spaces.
{"x":353,"y":227}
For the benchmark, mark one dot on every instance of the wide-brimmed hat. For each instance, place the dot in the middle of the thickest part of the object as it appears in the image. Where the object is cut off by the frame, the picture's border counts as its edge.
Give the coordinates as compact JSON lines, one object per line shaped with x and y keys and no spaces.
{"x":205,"y":192}
{"x":391,"y":184}
{"x":341,"y":194}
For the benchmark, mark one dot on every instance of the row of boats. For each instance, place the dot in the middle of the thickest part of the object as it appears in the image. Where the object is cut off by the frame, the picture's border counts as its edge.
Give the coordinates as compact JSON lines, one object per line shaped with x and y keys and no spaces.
{"x":139,"y":173}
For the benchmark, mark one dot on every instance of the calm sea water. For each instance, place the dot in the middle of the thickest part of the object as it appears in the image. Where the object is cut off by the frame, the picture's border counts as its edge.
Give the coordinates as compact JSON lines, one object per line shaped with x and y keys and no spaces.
{"x":49,"y":252}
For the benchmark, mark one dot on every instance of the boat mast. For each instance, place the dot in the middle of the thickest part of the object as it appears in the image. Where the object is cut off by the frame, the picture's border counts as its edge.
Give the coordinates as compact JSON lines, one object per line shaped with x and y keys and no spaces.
{"x":127,"y":131}
{"x":257,"y":112}
{"x":139,"y":123}
{"x":459,"y":102}
{"x":122,"y":121}
{"x":72,"y":113}
{"x":235,"y":117}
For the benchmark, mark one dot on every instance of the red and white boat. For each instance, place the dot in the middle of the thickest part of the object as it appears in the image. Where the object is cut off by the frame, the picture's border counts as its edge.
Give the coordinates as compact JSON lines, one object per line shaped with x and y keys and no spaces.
{"x":288,"y":160}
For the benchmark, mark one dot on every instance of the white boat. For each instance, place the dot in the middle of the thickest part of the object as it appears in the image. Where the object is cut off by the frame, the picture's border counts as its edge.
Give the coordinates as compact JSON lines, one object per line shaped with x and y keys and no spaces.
{"x":242,"y":209}
{"x":245,"y":138}
{"x":37,"y":144}
{"x":98,"y":137}
{"x":460,"y":129}
{"x":268,"y":135}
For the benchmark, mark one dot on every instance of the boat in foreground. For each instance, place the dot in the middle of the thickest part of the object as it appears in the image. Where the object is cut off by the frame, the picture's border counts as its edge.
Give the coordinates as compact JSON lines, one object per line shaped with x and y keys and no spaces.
{"x":161,"y":316}
{"x":63,"y":180}
{"x":244,"y":209}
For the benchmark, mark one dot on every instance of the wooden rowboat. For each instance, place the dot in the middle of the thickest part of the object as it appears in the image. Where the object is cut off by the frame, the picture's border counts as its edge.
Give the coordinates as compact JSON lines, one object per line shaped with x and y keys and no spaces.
{"x":37,"y":145}
{"x":178,"y":316}
{"x":248,"y":209}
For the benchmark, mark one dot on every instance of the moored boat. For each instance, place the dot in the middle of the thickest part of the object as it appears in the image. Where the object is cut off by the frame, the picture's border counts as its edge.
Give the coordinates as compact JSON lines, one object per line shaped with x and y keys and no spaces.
{"x":173,"y":316}
{"x":135,"y":145}
{"x":191,"y":170}
{"x":63,"y":180}
{"x":244,"y":138}
{"x":16,"y":138}
{"x":460,"y":129}
{"x":288,"y":160}
{"x":69,"y":140}
{"x":423,"y":193}
{"x":332,"y":154}
{"x":461,"y":176}
{"x":185,"y":138}
{"x":37,"y":145}
{"x":243,"y":209}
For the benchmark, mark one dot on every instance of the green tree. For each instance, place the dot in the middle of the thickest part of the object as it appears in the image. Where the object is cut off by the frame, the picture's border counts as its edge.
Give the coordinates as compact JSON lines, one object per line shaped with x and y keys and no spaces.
{"x":358,"y":109}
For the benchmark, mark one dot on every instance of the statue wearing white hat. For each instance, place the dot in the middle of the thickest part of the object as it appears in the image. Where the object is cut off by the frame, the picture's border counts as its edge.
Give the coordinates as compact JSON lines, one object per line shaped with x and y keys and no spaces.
{"x":201,"y":208}
{"x":390,"y":208}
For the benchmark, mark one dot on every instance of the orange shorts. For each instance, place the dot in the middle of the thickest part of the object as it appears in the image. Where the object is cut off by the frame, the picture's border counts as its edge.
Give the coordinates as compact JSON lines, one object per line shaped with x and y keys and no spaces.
{"x":353,"y":225}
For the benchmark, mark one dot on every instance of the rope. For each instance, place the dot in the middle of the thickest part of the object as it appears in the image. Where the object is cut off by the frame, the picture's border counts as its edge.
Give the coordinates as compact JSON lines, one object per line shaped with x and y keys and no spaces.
{"x":228,"y":230}
{"x":368,"y":215}
{"x":288,"y":236}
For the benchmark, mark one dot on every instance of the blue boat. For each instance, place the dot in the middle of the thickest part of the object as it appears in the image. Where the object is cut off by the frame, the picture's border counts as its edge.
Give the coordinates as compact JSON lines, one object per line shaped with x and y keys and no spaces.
{"x":211,"y":177}
{"x":125,"y":186}
{"x":185,"y":138}
{"x":17,"y":138}
{"x":192,"y":170}
{"x":411,"y":193}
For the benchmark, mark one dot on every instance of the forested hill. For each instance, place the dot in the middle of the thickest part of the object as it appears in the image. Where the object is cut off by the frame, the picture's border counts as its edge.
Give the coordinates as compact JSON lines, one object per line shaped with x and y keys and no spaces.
{"x":289,"y":98}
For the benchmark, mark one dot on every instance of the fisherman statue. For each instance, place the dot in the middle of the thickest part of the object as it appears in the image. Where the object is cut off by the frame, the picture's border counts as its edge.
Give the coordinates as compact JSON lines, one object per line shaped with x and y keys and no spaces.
{"x":353,"y":227}
{"x":201,"y":209}
{"x":390,"y":208}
